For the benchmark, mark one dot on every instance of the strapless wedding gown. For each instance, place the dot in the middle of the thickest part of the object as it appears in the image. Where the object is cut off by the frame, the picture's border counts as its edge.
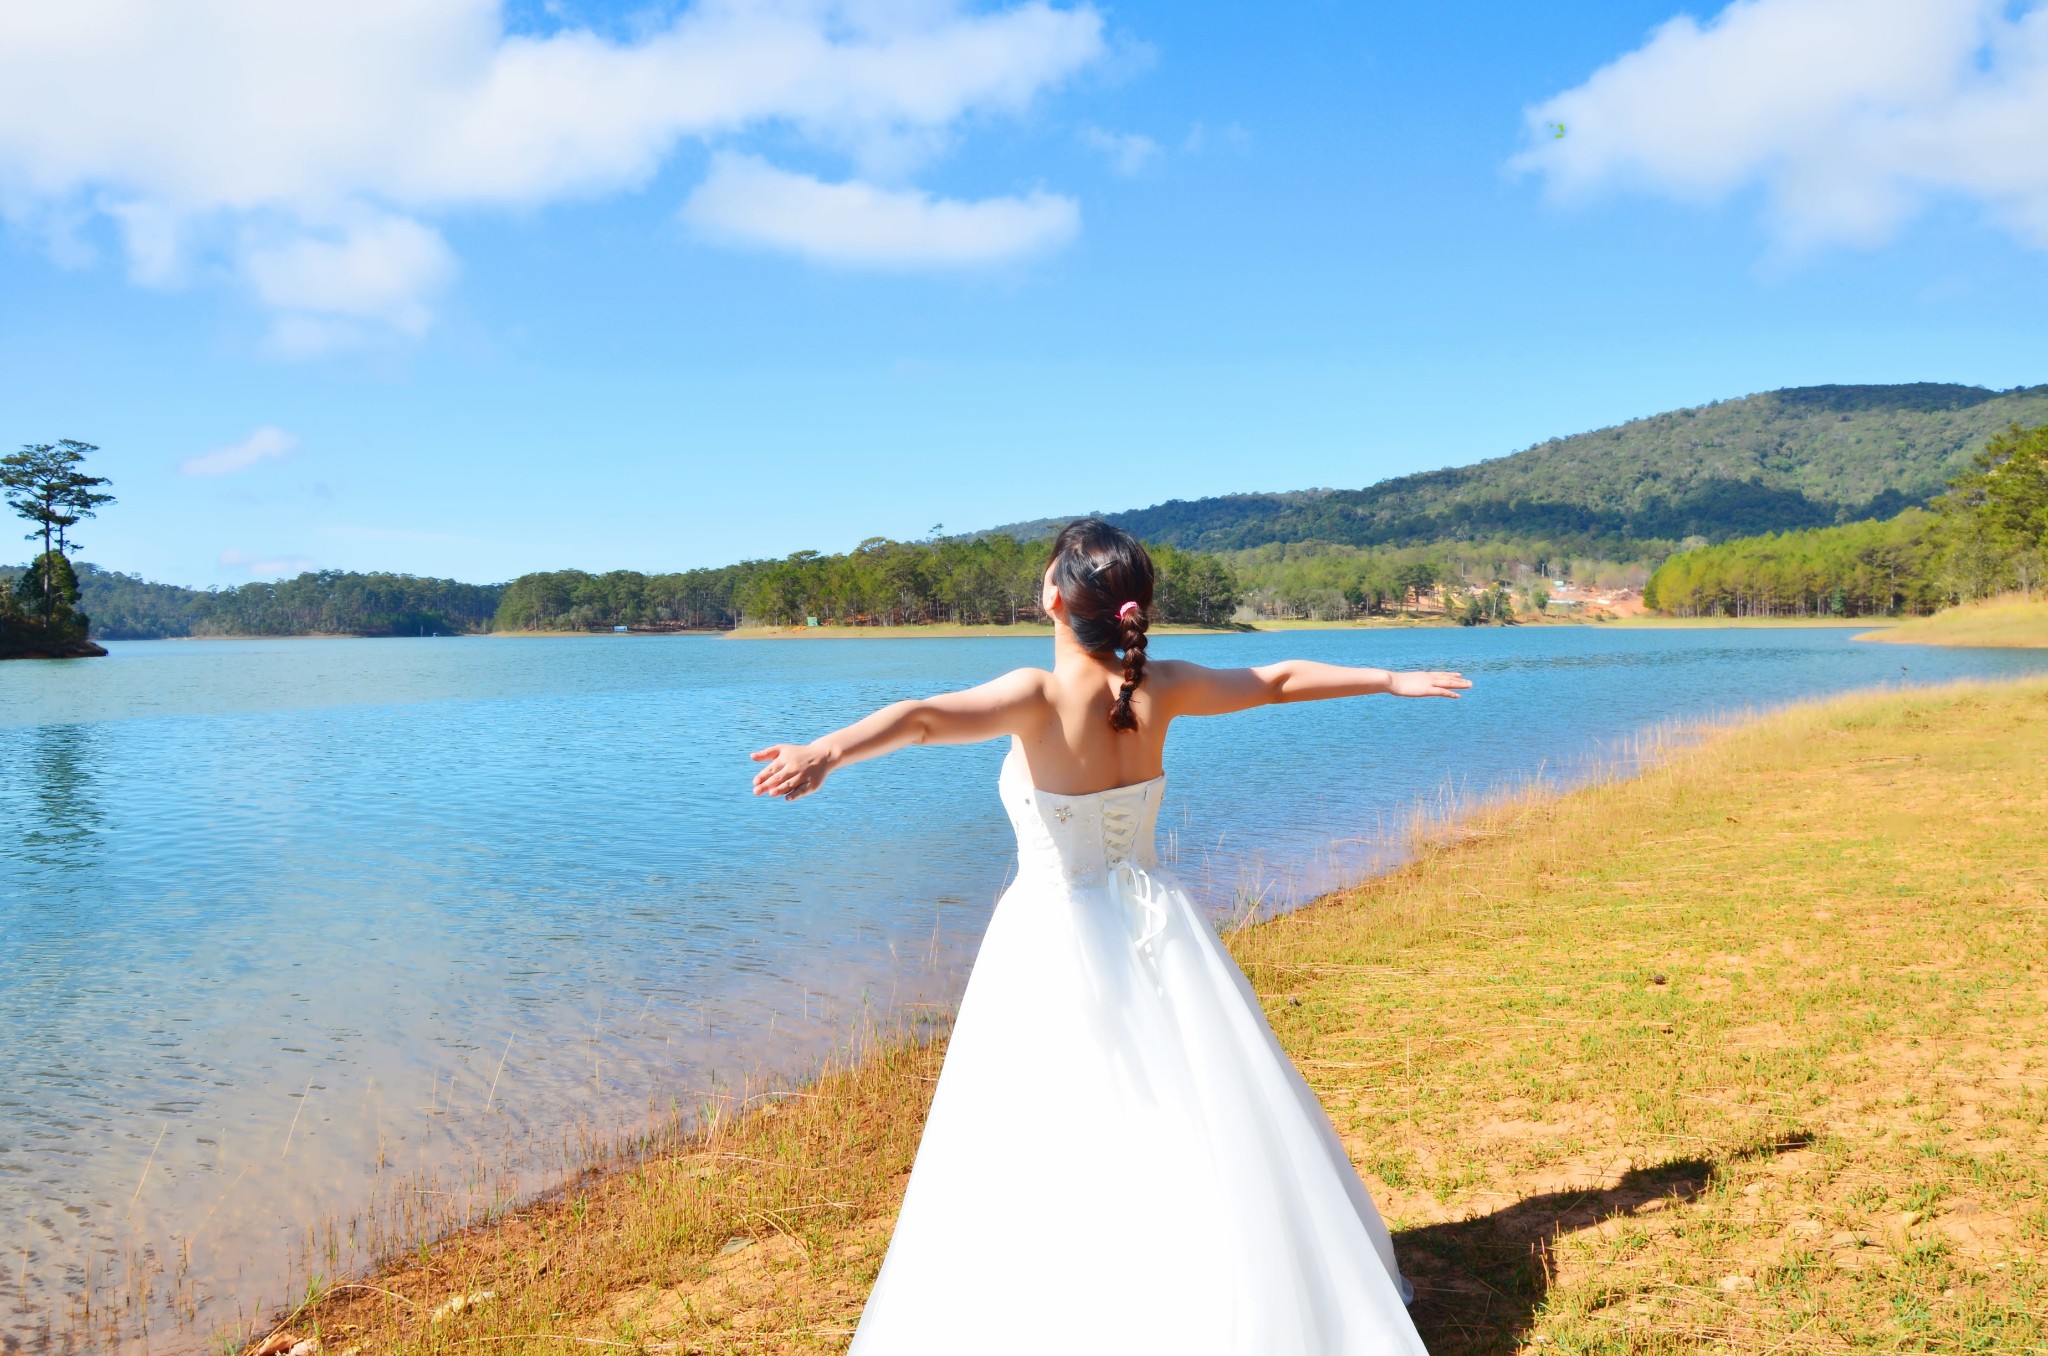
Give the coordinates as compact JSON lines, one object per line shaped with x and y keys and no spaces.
{"x":1120,"y":1158}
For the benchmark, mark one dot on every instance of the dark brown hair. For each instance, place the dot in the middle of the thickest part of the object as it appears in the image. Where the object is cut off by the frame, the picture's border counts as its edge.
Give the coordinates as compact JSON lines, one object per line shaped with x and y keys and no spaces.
{"x":1098,"y":569}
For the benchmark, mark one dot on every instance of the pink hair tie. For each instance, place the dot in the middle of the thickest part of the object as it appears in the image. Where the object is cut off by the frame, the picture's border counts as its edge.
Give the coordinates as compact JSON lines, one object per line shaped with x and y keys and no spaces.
{"x":1127,"y":611}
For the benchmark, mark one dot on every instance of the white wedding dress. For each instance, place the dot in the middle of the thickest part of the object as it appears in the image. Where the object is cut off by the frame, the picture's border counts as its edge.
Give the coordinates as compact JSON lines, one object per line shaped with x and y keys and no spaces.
{"x":1120,"y":1158}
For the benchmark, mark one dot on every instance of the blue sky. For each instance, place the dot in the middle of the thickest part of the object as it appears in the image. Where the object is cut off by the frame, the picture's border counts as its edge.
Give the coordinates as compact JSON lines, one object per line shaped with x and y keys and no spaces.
{"x":469,"y":291}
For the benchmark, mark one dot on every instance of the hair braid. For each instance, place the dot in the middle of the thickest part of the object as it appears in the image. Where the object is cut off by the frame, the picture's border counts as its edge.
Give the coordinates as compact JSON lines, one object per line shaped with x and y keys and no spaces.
{"x":1121,"y":717}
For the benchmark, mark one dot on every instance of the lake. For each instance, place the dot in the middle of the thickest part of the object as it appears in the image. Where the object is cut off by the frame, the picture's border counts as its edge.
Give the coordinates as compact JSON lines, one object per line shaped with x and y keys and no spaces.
{"x":311,"y":943}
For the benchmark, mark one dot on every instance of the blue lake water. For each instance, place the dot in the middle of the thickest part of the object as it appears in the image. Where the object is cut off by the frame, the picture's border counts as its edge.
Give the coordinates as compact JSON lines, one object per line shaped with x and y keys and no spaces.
{"x":294,"y":928}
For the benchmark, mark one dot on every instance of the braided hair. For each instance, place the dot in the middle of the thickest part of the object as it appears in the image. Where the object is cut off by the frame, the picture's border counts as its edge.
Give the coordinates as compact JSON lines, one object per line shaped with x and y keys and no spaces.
{"x":1104,"y":578}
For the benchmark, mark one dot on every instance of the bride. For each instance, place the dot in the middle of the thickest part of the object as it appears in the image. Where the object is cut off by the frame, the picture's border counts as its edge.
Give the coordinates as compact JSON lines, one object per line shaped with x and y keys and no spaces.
{"x":1119,"y":1156}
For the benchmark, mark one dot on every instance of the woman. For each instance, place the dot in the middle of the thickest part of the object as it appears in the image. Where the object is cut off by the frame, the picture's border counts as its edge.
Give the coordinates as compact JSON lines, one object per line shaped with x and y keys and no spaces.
{"x":1119,"y":1157}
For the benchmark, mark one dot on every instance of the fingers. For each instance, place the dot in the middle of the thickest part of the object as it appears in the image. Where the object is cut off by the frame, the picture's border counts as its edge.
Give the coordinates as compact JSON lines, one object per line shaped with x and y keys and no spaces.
{"x":1431,"y":684}
{"x":765,"y":754}
{"x":782,"y":781}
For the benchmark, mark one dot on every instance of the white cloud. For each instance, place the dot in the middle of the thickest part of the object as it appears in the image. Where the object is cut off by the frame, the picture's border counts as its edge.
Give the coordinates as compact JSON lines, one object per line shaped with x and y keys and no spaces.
{"x":1128,"y":152}
{"x":1851,"y":115}
{"x":267,"y":443}
{"x":381,"y":269}
{"x":266,"y":566}
{"x":745,"y":200}
{"x":307,"y":145}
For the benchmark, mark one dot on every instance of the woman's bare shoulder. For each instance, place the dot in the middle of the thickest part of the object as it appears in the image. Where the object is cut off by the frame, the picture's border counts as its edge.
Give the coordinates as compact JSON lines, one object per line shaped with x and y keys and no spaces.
{"x":1025,"y":684}
{"x":1171,"y":672}
{"x":1169,"y":678}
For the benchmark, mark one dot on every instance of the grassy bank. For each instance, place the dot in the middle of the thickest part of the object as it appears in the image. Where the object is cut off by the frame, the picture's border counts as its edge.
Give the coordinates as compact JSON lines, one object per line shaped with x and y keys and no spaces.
{"x":2012,"y":622}
{"x":1749,"y":1054}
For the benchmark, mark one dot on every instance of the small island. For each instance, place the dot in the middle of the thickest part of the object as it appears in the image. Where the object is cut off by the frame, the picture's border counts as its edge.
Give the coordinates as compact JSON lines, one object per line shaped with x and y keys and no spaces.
{"x":40,"y":616}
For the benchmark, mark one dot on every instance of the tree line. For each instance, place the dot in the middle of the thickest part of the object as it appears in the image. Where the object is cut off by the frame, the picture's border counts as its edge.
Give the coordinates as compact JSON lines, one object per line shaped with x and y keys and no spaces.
{"x":320,"y":602}
{"x":994,"y":579}
{"x":977,"y":581}
{"x":1987,"y":534}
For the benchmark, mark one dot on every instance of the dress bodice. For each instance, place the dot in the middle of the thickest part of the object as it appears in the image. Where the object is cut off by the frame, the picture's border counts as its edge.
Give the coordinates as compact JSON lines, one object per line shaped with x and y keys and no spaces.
{"x":1081,"y":838}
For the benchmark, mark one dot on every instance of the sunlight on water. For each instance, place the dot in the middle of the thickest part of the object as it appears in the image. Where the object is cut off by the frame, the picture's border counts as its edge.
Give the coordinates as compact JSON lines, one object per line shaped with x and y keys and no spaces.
{"x":371,"y":935}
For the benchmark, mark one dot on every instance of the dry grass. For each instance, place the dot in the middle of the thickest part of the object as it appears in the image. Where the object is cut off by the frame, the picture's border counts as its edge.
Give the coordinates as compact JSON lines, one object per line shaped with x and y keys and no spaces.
{"x":1746,"y":1054}
{"x":762,"y":1232}
{"x":2013,"y":621}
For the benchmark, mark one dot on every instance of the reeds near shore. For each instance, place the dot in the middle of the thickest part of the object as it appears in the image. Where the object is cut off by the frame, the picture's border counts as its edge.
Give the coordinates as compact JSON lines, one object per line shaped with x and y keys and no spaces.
{"x":1748,"y":1052}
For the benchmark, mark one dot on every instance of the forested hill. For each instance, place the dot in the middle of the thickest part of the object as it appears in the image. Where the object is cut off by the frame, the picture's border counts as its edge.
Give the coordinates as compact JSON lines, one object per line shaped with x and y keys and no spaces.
{"x":1805,"y":457}
{"x":322,"y":602}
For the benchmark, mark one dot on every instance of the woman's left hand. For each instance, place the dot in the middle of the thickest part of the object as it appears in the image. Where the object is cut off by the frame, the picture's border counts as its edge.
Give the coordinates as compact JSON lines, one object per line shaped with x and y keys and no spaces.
{"x":1427,"y":684}
{"x":793,"y":770}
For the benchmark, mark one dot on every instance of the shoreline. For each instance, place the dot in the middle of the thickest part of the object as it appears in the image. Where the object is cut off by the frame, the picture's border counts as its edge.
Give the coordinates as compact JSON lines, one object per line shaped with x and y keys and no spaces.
{"x":767,"y":1226}
{"x":1041,"y":630}
{"x":2008,"y":622}
{"x":1657,"y":623}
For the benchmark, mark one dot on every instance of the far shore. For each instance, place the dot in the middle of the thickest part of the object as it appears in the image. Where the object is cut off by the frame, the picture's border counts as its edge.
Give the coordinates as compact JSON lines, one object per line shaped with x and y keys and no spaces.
{"x":944,"y":630}
{"x":947,"y":630}
{"x":1033,"y":630}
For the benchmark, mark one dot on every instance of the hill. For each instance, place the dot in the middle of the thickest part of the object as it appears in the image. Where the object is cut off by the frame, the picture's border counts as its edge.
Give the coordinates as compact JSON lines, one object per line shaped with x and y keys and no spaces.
{"x":1804,"y":457}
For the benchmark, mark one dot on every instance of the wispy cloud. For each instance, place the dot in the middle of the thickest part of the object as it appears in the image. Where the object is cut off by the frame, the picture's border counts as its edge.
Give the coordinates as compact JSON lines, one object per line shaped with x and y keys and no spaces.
{"x":745,"y":200}
{"x":266,"y":566}
{"x":1851,"y":115}
{"x":377,"y":119}
{"x":1127,"y":152}
{"x":357,"y":532}
{"x":268,"y":443}
{"x":1201,"y":137}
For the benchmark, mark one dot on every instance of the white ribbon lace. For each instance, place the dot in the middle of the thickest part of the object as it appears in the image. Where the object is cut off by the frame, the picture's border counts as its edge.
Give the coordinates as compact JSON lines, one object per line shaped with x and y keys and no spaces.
{"x":1147,"y":893}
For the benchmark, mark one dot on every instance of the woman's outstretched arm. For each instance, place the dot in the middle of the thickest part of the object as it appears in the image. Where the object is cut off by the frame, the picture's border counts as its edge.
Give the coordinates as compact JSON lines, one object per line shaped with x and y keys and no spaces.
{"x":1193,"y":690}
{"x":967,"y":717}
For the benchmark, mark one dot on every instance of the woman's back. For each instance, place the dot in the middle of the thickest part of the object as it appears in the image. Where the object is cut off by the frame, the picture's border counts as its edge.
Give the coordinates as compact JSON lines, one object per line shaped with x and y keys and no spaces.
{"x":1070,"y":747}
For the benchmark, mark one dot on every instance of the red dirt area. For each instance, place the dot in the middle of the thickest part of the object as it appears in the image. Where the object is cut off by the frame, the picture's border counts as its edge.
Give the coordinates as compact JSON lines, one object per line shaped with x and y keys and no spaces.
{"x":1580,"y":601}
